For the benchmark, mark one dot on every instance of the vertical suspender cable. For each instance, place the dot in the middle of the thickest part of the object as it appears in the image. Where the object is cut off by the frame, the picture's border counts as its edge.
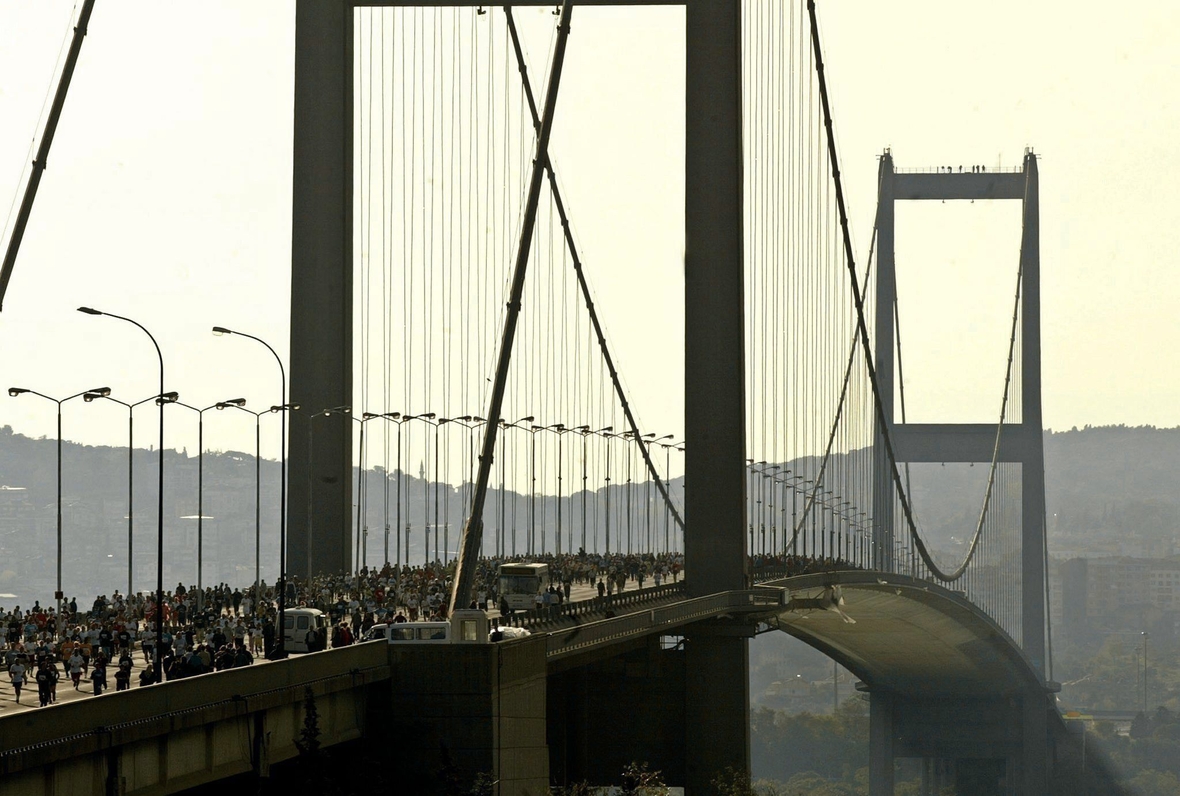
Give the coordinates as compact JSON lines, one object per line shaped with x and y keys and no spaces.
{"x":465,"y":571}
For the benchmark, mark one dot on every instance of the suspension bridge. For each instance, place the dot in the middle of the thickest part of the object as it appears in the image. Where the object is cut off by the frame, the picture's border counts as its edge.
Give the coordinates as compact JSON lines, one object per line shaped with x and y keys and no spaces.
{"x":443,"y":315}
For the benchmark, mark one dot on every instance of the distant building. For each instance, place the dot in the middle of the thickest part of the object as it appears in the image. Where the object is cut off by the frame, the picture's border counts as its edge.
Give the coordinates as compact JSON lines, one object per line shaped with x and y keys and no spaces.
{"x":1116,"y":595}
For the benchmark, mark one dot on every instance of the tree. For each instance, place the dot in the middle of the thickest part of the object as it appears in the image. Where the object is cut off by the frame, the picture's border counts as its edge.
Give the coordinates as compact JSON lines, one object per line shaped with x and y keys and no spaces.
{"x":638,"y":780}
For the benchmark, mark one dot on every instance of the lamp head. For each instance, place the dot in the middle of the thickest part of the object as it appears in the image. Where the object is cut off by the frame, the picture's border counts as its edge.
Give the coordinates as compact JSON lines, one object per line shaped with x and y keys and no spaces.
{"x":239,"y":402}
{"x":220,"y":330}
{"x":171,"y":397}
{"x":558,"y":426}
{"x":464,"y":418}
{"x":583,"y":429}
{"x":392,"y":415}
{"x":88,"y":397}
{"x":15,"y":391}
{"x":479,"y":419}
{"x":102,"y":392}
{"x":90,"y":311}
{"x":429,"y":415}
{"x":368,"y":415}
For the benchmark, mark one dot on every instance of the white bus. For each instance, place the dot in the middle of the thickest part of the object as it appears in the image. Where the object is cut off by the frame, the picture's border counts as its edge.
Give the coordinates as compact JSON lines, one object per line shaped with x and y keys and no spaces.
{"x":520,"y":584}
{"x":464,"y":627}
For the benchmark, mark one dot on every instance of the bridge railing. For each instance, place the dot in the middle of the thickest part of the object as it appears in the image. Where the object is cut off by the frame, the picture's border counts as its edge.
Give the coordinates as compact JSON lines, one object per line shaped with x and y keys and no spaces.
{"x":568,"y":641}
{"x":538,"y":617}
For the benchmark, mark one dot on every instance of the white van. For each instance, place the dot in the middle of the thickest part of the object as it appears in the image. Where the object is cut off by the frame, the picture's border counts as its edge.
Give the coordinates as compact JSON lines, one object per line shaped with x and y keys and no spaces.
{"x":298,"y":623}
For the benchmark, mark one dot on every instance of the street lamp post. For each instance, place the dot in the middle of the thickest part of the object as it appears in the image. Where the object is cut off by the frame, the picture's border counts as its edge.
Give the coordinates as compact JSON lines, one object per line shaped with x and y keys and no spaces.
{"x":362,"y":496}
{"x":607,"y":434}
{"x":92,"y":396}
{"x":585,"y":432}
{"x":101,"y":391}
{"x":239,"y":402}
{"x":281,"y":649}
{"x":425,"y":418}
{"x":533,"y":489}
{"x":471,"y":423}
{"x":446,"y":527}
{"x":559,"y":429}
{"x":503,"y":544}
{"x":667,"y":509}
{"x":158,"y":674}
{"x":393,"y":417}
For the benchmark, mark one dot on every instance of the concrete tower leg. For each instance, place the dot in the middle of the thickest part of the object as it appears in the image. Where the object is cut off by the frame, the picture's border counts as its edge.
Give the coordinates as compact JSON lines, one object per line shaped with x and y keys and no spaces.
{"x":717,"y":697}
{"x":1035,"y":752}
{"x":319,"y":502}
{"x":880,"y":744}
{"x":886,"y":292}
{"x":1032,"y":495}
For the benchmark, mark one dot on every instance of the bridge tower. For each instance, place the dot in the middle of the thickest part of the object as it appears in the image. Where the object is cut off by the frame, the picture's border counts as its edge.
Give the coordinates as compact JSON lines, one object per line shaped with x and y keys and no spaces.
{"x":963,"y":442}
{"x":319,"y":498}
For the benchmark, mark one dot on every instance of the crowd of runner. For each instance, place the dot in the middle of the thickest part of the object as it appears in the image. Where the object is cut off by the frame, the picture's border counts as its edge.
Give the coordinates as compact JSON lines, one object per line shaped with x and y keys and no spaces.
{"x":221,"y":627}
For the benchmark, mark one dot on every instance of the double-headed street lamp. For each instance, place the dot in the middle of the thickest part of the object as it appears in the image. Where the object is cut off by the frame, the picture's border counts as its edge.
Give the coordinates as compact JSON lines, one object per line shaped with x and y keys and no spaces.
{"x":94,"y":396}
{"x":158,"y":674}
{"x":559,"y":429}
{"x":281,"y":649}
{"x":14,"y":392}
{"x":238,"y":402}
{"x":585,"y":432}
{"x":362,"y":496}
{"x":425,"y":418}
{"x":503,"y":459}
{"x":394,"y":417}
{"x":667,"y":446}
{"x":608,"y":435}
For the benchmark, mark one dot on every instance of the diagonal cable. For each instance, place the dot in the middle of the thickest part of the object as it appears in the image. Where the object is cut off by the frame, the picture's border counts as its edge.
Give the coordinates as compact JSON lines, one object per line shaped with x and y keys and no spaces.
{"x":886,"y":437}
{"x":583,"y":286}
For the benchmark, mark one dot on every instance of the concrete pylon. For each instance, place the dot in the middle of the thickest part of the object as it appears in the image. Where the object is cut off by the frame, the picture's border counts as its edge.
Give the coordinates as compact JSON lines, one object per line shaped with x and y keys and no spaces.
{"x":968,"y":442}
{"x":717,"y":723}
{"x":319,"y":503}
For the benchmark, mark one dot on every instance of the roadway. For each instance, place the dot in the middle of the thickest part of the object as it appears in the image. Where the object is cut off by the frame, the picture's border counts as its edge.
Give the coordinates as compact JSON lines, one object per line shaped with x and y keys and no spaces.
{"x":67,"y":694}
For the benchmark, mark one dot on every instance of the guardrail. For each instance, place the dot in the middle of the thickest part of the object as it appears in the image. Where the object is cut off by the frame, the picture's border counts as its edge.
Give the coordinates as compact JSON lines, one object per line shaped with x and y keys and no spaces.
{"x":967,"y":170}
{"x":568,"y":641}
{"x":538,"y":618}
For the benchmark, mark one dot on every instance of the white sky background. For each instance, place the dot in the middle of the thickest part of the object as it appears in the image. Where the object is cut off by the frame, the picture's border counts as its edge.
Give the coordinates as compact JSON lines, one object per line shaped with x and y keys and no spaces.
{"x":167,"y":198}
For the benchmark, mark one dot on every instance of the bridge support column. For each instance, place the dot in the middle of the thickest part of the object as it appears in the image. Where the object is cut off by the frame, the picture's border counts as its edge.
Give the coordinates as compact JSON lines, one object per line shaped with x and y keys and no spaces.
{"x":997,"y":746}
{"x":717,"y":707}
{"x":605,"y":715}
{"x":321,"y":291}
{"x":1035,"y":746}
{"x":880,"y":744}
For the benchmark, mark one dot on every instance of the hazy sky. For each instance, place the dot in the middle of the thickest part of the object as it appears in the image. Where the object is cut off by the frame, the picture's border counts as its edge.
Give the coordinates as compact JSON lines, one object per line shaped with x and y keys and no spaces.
{"x":167,"y":197}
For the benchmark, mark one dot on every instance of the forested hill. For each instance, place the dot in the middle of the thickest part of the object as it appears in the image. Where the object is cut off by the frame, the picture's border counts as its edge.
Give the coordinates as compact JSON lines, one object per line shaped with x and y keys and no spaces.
{"x":1116,"y":480}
